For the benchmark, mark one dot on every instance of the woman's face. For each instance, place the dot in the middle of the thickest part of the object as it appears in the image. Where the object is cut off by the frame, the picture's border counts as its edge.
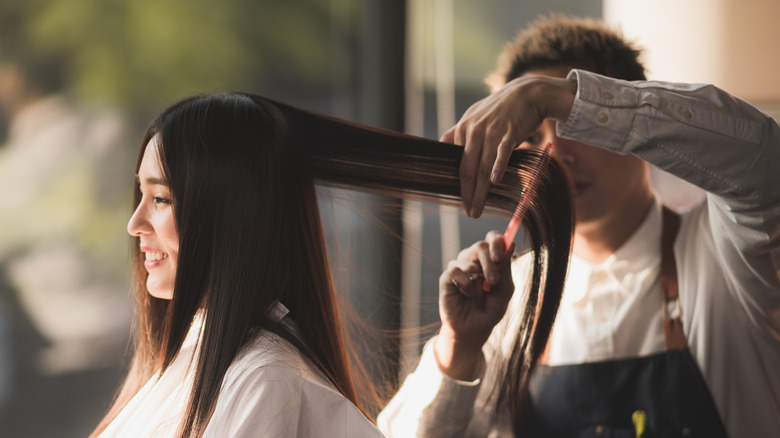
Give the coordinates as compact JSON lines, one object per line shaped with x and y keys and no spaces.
{"x":154,"y":224}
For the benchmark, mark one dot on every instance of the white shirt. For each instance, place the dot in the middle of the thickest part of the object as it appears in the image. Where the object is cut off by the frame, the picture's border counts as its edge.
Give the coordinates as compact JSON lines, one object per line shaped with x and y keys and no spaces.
{"x":602,"y":305}
{"x":270,"y":390}
{"x":727,"y":254}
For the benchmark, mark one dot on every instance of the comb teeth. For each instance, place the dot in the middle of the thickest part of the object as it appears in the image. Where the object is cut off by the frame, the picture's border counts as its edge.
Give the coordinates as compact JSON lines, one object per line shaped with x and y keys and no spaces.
{"x":533,"y":184}
{"x":522,"y":205}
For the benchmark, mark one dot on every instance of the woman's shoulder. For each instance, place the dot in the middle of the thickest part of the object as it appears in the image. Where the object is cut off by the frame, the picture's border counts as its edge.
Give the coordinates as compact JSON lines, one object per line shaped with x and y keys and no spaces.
{"x":270,"y":363}
{"x":271,"y":388}
{"x":269,"y":355}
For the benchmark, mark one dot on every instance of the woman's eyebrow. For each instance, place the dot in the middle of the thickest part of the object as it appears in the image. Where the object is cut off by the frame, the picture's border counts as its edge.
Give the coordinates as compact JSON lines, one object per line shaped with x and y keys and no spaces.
{"x":152,"y":181}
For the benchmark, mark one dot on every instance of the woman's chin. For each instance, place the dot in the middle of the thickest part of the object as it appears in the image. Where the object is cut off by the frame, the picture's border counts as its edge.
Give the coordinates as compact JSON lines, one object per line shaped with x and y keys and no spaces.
{"x":157,"y":291}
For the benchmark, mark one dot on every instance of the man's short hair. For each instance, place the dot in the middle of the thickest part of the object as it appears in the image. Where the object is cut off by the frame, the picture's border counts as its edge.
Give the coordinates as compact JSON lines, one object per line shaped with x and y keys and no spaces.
{"x":559,"y":40}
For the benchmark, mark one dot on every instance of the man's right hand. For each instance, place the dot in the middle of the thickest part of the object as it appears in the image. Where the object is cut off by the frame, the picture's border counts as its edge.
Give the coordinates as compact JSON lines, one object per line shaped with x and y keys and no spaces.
{"x":467,"y":312}
{"x":494,"y":126}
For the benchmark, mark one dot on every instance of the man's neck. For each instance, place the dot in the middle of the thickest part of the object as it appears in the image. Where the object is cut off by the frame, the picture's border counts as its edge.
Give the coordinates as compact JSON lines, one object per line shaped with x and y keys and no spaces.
{"x":595,"y":241}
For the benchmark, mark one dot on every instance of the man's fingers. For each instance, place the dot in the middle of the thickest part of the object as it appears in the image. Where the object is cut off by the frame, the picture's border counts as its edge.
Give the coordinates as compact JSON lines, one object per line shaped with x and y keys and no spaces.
{"x":489,"y":267}
{"x":462,"y":278}
{"x":449,"y":136}
{"x":459,"y":134}
{"x":481,"y":187}
{"x":504,"y":151}
{"x":468,"y":174}
{"x":491,"y":165}
{"x":495,"y":242}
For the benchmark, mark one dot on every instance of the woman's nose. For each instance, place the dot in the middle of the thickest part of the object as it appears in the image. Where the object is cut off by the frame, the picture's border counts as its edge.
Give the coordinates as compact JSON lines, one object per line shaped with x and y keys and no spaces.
{"x":138,"y":223}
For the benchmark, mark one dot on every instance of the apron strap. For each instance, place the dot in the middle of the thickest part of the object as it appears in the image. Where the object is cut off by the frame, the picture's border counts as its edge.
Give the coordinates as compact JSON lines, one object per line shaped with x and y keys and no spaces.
{"x":673,"y":329}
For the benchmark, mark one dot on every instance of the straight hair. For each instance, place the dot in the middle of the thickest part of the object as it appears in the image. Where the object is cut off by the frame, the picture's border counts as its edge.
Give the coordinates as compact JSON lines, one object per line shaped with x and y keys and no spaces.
{"x":242,"y":171}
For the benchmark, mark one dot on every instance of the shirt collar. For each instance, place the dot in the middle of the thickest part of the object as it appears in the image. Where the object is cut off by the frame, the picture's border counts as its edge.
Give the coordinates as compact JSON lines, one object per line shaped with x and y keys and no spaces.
{"x":277,"y":313}
{"x":640,"y":251}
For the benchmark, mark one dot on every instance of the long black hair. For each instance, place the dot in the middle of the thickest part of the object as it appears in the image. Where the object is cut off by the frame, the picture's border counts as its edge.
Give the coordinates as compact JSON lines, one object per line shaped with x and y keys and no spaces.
{"x":242,"y":171}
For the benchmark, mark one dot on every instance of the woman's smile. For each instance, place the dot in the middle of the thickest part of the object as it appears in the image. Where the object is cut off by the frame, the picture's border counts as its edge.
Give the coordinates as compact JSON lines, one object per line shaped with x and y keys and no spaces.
{"x":153,"y":258}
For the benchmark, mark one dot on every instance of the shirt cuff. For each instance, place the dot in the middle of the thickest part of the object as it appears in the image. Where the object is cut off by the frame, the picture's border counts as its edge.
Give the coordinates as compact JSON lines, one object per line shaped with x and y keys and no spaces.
{"x":429,"y":350}
{"x":599,"y":115}
{"x":450,"y":411}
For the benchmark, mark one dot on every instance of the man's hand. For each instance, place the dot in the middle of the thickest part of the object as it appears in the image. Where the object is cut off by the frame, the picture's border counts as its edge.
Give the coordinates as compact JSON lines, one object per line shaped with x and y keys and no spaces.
{"x":468,"y":313}
{"x":494,"y":126}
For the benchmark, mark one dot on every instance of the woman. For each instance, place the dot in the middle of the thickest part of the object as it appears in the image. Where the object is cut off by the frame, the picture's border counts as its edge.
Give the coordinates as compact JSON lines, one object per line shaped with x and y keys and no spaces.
{"x":238,"y":332}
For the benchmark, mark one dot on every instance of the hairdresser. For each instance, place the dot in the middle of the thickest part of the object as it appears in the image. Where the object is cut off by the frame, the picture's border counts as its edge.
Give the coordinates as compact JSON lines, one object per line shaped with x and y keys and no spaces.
{"x":669,"y":323}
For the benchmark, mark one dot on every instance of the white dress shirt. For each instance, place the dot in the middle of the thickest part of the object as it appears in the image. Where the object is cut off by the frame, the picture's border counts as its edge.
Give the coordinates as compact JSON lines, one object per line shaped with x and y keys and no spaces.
{"x":270,"y":390}
{"x":727,"y":254}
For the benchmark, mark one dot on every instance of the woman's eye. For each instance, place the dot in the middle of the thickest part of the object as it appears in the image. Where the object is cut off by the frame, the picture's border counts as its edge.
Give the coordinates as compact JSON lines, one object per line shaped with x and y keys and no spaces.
{"x":160,"y":200}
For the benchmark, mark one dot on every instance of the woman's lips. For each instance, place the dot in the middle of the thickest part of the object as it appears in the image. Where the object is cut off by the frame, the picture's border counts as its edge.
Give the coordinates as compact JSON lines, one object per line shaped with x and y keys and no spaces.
{"x":151,"y":264}
{"x":153,"y":257}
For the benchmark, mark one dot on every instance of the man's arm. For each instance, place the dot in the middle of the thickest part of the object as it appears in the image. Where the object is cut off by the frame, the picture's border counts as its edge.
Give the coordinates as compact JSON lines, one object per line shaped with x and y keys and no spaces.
{"x":438,"y":398}
{"x":430,"y":404}
{"x":713,"y":140}
{"x":697,"y":132}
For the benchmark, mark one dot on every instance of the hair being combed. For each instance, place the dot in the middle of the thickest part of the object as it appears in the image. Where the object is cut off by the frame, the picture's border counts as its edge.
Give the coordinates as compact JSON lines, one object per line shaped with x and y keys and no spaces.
{"x":559,"y":40}
{"x":354,"y":156}
{"x":237,"y":153}
{"x":550,"y":42}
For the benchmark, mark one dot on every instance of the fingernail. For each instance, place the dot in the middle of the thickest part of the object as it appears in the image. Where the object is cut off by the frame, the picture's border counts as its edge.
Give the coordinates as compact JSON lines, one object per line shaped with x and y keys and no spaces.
{"x":495,"y":178}
{"x":493,"y":278}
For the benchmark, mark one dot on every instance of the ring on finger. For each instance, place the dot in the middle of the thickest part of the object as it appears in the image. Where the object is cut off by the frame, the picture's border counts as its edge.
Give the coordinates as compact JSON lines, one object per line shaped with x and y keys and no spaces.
{"x":475,"y":276}
{"x":455,"y":283}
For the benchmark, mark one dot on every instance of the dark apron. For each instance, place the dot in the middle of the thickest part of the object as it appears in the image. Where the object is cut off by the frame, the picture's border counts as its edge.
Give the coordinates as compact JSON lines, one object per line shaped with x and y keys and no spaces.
{"x":662,"y":395}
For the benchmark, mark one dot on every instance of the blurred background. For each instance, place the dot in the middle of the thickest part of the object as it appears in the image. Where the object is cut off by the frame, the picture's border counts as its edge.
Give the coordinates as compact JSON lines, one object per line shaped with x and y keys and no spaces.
{"x":79,"y":80}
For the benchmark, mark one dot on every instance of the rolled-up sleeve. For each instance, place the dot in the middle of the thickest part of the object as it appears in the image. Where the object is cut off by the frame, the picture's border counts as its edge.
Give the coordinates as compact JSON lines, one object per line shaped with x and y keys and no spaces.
{"x":429,"y":404}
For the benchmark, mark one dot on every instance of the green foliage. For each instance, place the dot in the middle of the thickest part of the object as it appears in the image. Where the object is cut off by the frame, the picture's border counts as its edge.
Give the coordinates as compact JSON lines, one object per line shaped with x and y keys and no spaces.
{"x":148,"y":52}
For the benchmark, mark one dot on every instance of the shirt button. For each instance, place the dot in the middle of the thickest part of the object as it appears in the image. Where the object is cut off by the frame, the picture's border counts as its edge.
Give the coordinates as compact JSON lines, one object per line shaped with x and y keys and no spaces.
{"x":602,"y":118}
{"x":687,"y":115}
{"x":599,"y":430}
{"x":606,"y":95}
